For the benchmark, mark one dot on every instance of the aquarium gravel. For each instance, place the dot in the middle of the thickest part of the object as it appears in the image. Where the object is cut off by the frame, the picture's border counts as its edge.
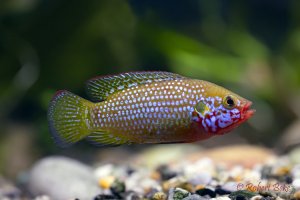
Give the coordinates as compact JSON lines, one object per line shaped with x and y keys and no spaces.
{"x":204,"y":179}
{"x":190,"y":177}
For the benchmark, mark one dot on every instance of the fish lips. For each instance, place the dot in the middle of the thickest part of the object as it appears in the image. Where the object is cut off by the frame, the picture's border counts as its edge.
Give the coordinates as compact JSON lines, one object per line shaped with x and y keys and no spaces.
{"x":246,"y":111}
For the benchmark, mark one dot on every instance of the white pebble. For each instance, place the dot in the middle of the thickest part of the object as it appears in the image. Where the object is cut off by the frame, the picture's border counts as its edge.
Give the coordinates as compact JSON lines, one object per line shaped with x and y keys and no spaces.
{"x":201,"y":178}
{"x":104,"y":170}
{"x":257,"y":197}
{"x":230,"y":186}
{"x":296,"y":171}
{"x":43,"y":197}
{"x":222,"y":198}
{"x":296,"y":184}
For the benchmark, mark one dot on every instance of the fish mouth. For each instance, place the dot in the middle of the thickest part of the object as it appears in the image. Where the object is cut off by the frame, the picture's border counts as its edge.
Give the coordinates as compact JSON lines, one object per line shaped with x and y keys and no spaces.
{"x":247,"y":111}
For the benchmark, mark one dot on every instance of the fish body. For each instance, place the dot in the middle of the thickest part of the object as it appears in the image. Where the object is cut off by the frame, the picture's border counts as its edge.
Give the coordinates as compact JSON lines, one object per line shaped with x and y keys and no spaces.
{"x":146,"y":107}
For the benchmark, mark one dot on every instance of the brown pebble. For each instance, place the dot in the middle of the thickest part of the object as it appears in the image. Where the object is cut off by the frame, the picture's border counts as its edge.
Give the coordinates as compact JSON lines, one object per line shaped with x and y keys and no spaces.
{"x":177,"y":182}
{"x":172,"y":183}
{"x":159,"y":196}
{"x":148,"y":190}
{"x":199,"y":187}
{"x":283,"y":171}
{"x":238,"y":178}
{"x":297,"y":195}
{"x":155,"y":175}
{"x":106,"y":182}
{"x":236,"y":155}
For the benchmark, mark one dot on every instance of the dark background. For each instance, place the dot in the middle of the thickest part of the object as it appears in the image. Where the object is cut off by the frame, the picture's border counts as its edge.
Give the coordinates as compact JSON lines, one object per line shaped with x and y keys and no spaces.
{"x":250,"y":47}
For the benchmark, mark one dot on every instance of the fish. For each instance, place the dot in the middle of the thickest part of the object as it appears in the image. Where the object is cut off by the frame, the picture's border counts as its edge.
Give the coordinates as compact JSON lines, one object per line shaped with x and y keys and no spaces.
{"x":150,"y":107}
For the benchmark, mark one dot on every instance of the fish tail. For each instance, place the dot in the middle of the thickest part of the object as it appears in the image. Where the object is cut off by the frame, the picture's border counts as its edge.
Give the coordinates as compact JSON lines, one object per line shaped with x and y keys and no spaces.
{"x":68,"y":118}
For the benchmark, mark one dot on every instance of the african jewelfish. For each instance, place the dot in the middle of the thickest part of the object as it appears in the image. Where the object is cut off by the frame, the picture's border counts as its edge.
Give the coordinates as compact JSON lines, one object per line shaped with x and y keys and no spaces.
{"x":146,"y":107}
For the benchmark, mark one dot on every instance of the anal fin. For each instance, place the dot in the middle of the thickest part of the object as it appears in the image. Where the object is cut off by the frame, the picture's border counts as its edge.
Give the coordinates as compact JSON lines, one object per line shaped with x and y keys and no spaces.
{"x":103,"y":138}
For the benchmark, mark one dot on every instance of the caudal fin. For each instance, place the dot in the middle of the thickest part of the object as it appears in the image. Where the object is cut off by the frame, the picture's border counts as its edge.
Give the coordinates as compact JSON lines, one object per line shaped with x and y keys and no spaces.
{"x":68,"y":118}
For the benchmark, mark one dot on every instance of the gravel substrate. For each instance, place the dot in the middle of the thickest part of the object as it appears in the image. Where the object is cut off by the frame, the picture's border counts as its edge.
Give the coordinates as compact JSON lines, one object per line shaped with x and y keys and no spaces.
{"x":202,"y":179}
{"x":190,"y":177}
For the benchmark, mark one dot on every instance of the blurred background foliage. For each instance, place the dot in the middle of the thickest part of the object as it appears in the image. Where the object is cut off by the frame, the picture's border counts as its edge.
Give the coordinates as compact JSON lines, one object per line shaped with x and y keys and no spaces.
{"x":251,"y":47}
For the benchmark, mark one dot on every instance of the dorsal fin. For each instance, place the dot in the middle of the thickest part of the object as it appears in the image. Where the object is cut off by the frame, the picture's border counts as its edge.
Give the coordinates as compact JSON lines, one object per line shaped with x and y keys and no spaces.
{"x":99,"y":88}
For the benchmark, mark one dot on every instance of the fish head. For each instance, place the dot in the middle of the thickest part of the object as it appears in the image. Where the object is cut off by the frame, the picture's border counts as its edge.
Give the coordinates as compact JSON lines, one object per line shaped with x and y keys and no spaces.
{"x":219,"y":110}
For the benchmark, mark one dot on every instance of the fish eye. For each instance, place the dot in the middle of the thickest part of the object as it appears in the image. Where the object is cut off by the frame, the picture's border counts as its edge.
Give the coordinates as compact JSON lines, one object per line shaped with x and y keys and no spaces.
{"x":229,"y":102}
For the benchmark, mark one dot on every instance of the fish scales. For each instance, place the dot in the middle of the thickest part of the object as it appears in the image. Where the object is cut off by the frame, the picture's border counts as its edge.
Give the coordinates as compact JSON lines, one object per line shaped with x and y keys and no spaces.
{"x":146,"y":107}
{"x":150,"y":109}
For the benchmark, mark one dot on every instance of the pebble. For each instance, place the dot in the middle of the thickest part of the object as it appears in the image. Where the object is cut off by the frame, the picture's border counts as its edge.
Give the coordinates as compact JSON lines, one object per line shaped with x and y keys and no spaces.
{"x":165,"y":172}
{"x":222,"y":198}
{"x":221,"y":191}
{"x":194,"y":197}
{"x":282,"y":171}
{"x":266,"y":172}
{"x":230,"y":186}
{"x":149,"y":194}
{"x":63,"y":178}
{"x":149,"y":184}
{"x":205,"y":165}
{"x":131,"y":195}
{"x":288,"y":179}
{"x":177,"y":182}
{"x":155,"y":175}
{"x":295,"y":172}
{"x":297,"y":195}
{"x":106,"y":182}
{"x":198,"y":187}
{"x":236,"y":173}
{"x":162,"y":154}
{"x":295,"y":155}
{"x":234,"y":155}
{"x":104,"y":171}
{"x":141,"y":182}
{"x":118,"y":188}
{"x":206,"y":192}
{"x":43,"y":197}
{"x":202,"y":178}
{"x":130,"y":170}
{"x":7,"y":190}
{"x":267,"y":195}
{"x":257,"y":197}
{"x":159,"y":196}
{"x":106,"y":197}
{"x":251,"y":175}
{"x":296,"y":184}
{"x":242,"y":195}
{"x":177,"y":194}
